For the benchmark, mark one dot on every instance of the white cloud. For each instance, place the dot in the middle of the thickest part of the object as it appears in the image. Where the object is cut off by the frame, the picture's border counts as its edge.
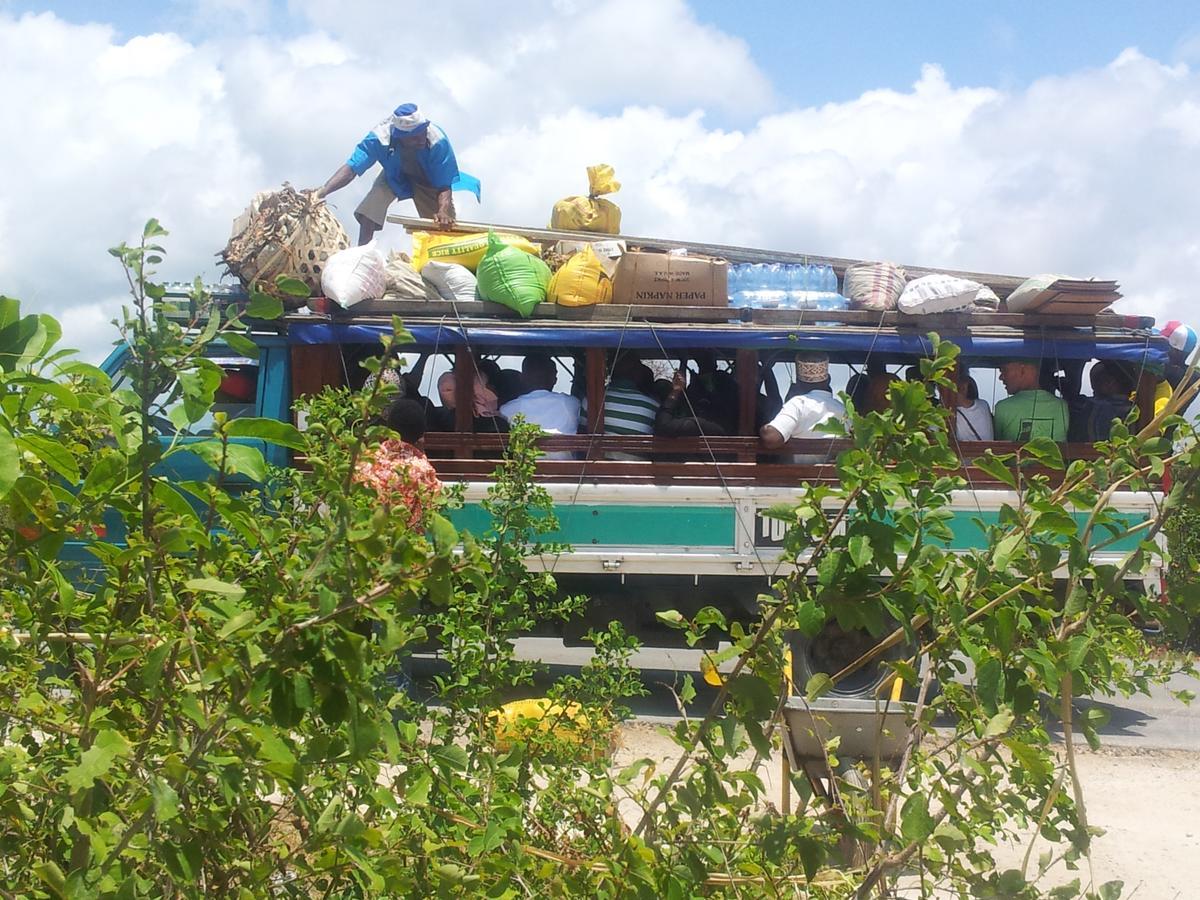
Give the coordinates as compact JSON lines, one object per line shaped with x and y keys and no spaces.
{"x":1091,"y":173}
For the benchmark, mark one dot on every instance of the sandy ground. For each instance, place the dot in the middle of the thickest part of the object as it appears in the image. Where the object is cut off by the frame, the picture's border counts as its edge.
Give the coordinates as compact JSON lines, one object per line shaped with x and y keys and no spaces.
{"x":1148,"y":802}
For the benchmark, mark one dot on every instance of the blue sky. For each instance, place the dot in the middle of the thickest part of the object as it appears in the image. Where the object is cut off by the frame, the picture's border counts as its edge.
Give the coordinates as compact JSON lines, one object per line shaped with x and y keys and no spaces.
{"x":832,"y":51}
{"x":819,"y":52}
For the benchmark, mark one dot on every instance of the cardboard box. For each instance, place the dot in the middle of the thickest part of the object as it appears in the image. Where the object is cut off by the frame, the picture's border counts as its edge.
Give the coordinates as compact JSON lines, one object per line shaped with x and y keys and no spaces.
{"x":645,"y":278}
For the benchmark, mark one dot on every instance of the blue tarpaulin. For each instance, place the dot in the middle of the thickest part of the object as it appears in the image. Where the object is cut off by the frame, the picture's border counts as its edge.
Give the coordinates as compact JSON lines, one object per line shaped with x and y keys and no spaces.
{"x":838,"y":342}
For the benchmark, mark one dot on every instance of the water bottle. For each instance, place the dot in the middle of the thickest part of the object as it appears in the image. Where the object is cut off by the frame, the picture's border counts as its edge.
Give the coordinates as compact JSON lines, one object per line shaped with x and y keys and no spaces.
{"x":737,"y":286}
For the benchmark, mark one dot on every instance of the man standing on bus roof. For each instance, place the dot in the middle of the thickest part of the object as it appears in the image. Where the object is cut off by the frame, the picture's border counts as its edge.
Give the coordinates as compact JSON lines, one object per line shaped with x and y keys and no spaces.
{"x":1029,"y":411}
{"x":417,"y":161}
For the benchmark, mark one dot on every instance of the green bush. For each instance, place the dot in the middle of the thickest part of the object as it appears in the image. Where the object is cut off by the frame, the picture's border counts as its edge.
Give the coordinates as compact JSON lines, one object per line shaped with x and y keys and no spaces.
{"x":210,"y":716}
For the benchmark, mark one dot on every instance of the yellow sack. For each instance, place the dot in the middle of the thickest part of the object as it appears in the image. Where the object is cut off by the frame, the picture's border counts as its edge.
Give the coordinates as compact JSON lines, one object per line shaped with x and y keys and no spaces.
{"x":523,"y":720}
{"x":463,"y":249}
{"x":581,"y":281}
{"x":590,"y":213}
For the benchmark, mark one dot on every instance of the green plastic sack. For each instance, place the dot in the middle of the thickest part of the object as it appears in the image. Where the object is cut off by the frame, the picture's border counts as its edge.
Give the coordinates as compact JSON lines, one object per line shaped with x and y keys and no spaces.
{"x":512,"y":277}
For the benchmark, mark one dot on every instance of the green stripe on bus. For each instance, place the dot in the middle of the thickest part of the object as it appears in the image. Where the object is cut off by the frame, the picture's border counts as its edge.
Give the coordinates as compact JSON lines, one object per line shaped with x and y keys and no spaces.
{"x":585,"y":526}
{"x":968,"y":533}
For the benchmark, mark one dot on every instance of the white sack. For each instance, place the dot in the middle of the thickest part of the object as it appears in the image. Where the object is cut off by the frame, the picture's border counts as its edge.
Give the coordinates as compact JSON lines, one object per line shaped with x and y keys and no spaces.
{"x":354,"y":275}
{"x":937,"y":294}
{"x":450,"y":280}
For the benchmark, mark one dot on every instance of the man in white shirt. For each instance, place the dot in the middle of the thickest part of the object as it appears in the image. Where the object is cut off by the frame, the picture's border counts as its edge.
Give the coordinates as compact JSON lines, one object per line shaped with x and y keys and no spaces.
{"x":810,"y":403}
{"x":553,"y":412}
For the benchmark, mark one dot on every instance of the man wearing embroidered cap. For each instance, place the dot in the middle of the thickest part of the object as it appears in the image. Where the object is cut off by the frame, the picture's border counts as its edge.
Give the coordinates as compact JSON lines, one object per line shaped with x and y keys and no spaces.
{"x":810,"y":403}
{"x":417,"y":161}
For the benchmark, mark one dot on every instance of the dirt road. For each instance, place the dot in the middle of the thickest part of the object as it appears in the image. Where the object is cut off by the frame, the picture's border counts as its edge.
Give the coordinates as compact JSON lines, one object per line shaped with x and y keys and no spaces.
{"x":1148,"y":802}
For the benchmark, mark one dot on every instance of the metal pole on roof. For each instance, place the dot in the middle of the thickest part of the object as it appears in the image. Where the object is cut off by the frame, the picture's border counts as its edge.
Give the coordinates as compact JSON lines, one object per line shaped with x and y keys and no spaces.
{"x":1003,"y":285}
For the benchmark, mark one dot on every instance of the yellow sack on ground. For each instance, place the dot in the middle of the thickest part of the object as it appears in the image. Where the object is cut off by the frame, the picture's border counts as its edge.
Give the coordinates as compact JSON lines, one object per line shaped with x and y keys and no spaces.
{"x":590,"y":213}
{"x":581,"y":281}
{"x":521,"y":721}
{"x":462,"y":249}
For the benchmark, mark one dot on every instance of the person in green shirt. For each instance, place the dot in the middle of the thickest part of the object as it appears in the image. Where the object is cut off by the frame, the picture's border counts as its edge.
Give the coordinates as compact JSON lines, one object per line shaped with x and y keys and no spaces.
{"x":1029,"y":411}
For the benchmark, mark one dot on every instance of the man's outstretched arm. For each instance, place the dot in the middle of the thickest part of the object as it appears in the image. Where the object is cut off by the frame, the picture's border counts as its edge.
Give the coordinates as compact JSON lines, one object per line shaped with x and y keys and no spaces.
{"x":338,"y":180}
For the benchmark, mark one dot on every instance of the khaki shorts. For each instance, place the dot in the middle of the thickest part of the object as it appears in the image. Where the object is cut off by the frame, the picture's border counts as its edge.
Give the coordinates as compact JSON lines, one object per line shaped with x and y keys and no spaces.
{"x":374,"y":206}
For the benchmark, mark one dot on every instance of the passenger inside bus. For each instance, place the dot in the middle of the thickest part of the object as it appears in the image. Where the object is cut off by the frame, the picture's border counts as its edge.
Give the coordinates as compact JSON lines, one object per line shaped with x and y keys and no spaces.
{"x":972,"y":415}
{"x":810,"y":403}
{"x":540,"y":404}
{"x":1030,"y":410}
{"x":1091,"y":418}
{"x":486,"y":410}
{"x":706,"y":405}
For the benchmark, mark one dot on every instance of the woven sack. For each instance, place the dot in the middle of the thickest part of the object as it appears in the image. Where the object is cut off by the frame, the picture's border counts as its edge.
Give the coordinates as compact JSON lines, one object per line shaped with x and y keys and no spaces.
{"x":285,"y":232}
{"x":403,"y":281}
{"x":873,"y":286}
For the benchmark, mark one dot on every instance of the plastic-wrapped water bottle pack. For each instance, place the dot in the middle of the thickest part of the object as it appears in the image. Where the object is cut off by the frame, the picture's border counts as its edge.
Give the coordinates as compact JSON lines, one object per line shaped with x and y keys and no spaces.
{"x":784,"y":286}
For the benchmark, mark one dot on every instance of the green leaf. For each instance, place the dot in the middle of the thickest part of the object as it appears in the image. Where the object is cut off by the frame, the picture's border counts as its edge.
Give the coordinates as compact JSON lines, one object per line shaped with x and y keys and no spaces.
{"x":445,"y":535}
{"x":997,"y":467}
{"x":264,"y":306}
{"x":1070,"y":891}
{"x":199,"y":386}
{"x":166,"y":800}
{"x":810,"y":616}
{"x":97,"y":760}
{"x":812,"y":856}
{"x":949,"y":836}
{"x":1077,"y":601}
{"x":1077,"y":649}
{"x":293,"y":287}
{"x":240,"y":459}
{"x":1096,"y":716}
{"x":1006,"y":628}
{"x":989,"y":680}
{"x":489,"y":839}
{"x":860,"y":550}
{"x":52,"y":876}
{"x":240,"y":344}
{"x":916,"y":824}
{"x":173,"y":501}
{"x":1111,"y":890}
{"x":53,"y":453}
{"x":237,"y":622}
{"x":450,"y":756}
{"x":687,"y":692}
{"x":272,"y":749}
{"x":1045,"y":451}
{"x":999,"y":723}
{"x":152,"y":230}
{"x":671,"y":617}
{"x":10,"y":461}
{"x":416,"y":791}
{"x":152,"y":669}
{"x":105,"y":475}
{"x":818,"y":685}
{"x":215,"y":586}
{"x":273,"y":431}
{"x":1005,"y":550}
{"x":1011,"y":883}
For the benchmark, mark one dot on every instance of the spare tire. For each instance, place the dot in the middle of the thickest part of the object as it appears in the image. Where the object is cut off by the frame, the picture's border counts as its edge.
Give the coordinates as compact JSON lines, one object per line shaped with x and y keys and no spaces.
{"x":834,"y":648}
